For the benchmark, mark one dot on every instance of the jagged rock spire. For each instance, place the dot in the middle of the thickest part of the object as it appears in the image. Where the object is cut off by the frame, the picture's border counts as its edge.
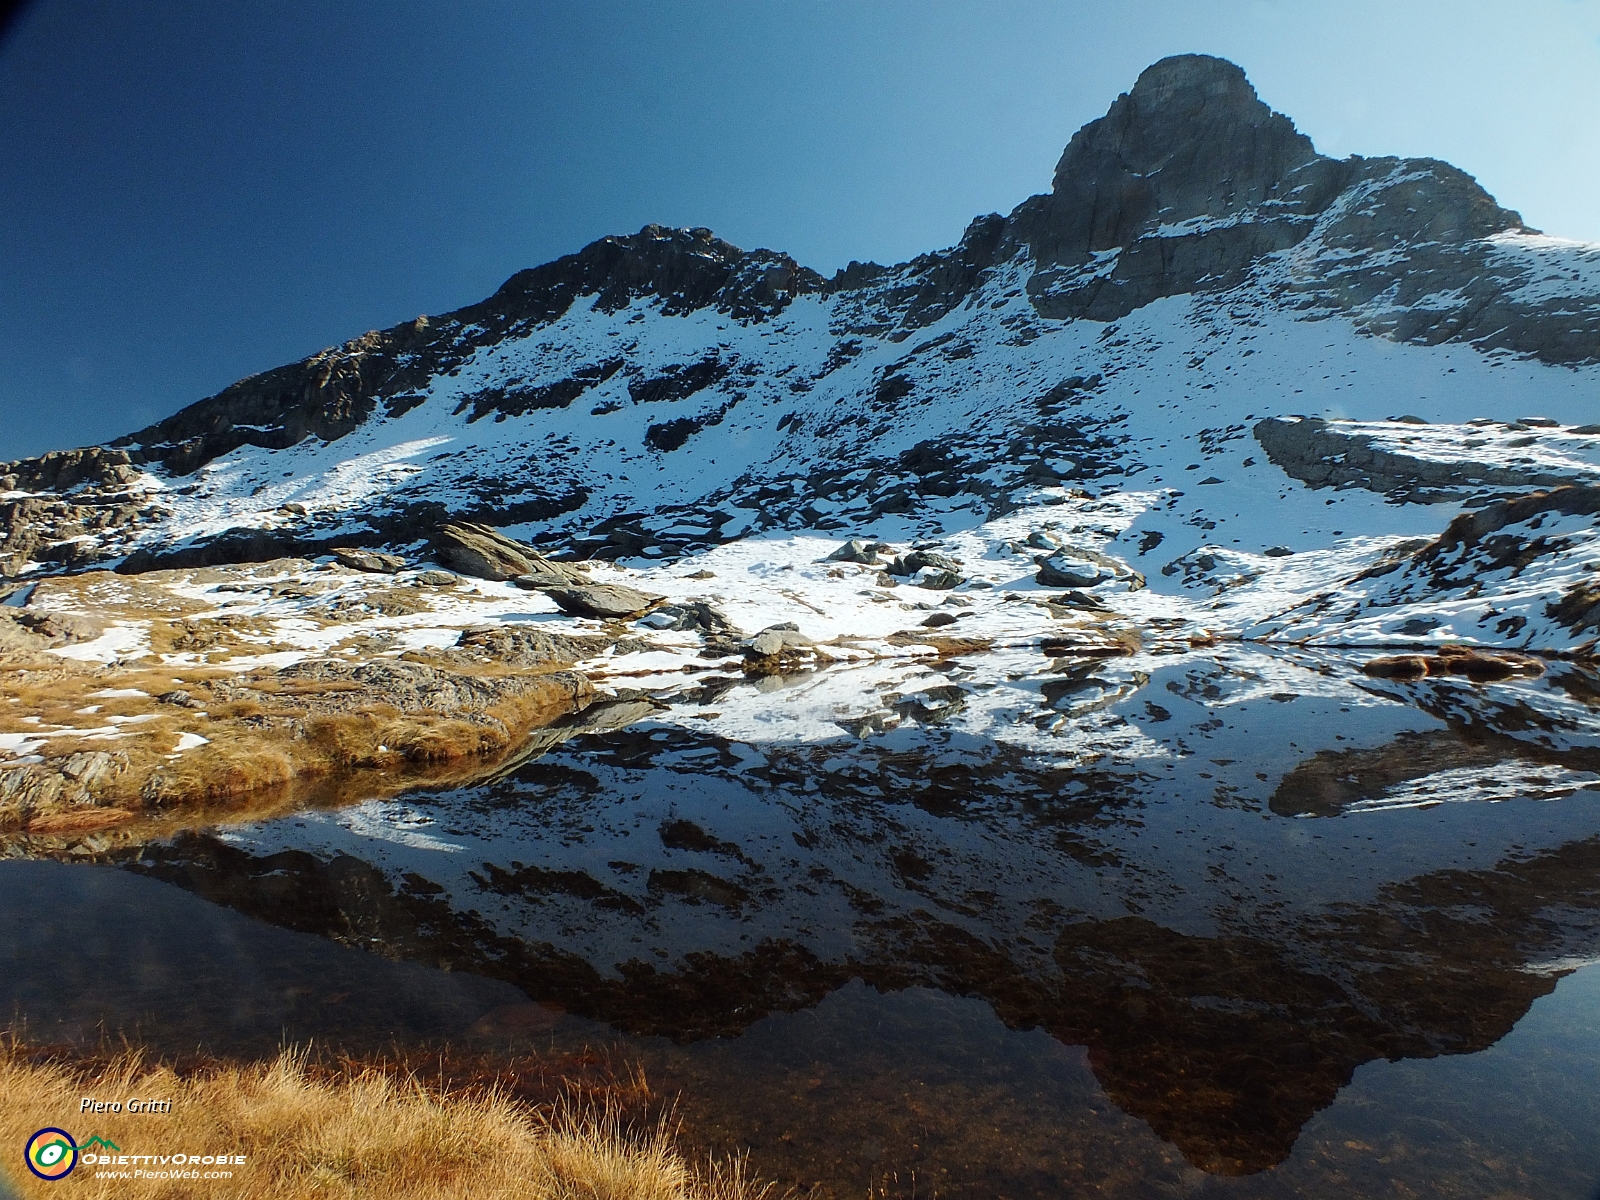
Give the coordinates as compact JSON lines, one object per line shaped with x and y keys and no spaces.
{"x":1190,"y":139}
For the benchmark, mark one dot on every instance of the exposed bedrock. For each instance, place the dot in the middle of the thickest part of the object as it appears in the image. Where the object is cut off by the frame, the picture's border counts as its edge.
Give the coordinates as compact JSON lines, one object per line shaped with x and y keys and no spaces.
{"x":1190,"y":183}
{"x":485,"y":552}
{"x":1190,"y":141}
{"x":67,"y":533}
{"x":61,"y":470}
{"x":336,"y":390}
{"x":301,"y":537}
{"x":1321,"y":454}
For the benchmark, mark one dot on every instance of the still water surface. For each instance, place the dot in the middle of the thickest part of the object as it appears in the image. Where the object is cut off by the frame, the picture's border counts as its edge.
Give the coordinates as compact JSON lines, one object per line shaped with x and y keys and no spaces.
{"x":1287,"y":933}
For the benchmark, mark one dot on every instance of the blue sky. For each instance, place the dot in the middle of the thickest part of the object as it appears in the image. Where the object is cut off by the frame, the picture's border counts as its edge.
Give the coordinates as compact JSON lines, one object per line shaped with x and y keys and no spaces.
{"x":192,"y":192}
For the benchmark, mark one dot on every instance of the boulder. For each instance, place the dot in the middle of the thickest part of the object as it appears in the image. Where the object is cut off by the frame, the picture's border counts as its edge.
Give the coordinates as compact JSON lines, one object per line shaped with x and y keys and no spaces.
{"x":536,"y":581}
{"x":1078,"y":600}
{"x":485,"y":552}
{"x":857,"y":550}
{"x":1079,"y":567}
{"x":602,"y":600}
{"x":1068,"y":571}
{"x":780,"y":648}
{"x":548,"y":569}
{"x":776,"y":641}
{"x":374,"y":561}
{"x":438,"y":579}
{"x":910,"y":564}
{"x":696,"y":616}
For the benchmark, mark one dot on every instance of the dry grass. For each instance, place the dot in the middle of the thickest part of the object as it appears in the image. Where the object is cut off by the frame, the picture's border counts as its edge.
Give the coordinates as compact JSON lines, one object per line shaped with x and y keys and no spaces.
{"x":266,"y":736}
{"x":271,"y":741}
{"x":113,"y":597}
{"x":366,"y":1133}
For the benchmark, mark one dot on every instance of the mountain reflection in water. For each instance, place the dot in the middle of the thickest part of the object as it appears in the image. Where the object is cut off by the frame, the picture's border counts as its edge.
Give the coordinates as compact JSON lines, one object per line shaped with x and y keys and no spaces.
{"x":1252,"y":950}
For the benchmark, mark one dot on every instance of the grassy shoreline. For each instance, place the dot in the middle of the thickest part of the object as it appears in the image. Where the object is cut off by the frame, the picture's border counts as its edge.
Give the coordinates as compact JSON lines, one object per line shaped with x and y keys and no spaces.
{"x":349,"y":1129}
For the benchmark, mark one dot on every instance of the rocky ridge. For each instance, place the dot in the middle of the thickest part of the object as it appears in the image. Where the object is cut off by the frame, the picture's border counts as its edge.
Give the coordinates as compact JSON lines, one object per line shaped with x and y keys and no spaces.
{"x":1189,"y":187}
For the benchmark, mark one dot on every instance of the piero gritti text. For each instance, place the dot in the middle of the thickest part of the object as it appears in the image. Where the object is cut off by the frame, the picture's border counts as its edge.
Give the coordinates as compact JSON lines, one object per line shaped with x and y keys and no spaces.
{"x":131,"y":1105}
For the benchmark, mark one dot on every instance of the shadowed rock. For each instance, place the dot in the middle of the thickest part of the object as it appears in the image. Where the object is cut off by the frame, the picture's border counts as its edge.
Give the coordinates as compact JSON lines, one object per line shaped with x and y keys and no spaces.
{"x":368,"y":560}
{"x":603,"y":600}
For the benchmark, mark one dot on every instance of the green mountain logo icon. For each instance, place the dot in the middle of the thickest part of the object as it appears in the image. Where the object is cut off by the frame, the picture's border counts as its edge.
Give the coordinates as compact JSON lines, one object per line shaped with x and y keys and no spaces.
{"x":100,"y":1143}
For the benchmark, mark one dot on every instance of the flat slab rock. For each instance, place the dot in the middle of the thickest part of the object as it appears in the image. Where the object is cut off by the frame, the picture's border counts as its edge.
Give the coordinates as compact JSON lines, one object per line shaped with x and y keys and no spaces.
{"x":483,"y":551}
{"x":374,"y":561}
{"x":602,"y":600}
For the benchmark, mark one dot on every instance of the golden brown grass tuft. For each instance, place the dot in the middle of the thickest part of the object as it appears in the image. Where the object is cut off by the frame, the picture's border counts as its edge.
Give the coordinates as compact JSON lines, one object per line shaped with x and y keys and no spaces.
{"x":264,"y":734}
{"x":369,"y":1133}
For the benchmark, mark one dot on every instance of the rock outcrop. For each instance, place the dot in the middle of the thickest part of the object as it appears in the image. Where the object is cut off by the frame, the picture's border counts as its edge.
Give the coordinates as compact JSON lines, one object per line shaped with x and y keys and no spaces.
{"x":486,"y":553}
{"x":604,"y":600}
{"x":1321,"y":454}
{"x":374,"y":561}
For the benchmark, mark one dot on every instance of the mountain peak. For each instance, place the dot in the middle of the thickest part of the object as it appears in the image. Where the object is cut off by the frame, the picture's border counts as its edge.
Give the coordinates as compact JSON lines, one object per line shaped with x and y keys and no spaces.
{"x":1193,"y":80}
{"x":1191,"y":139}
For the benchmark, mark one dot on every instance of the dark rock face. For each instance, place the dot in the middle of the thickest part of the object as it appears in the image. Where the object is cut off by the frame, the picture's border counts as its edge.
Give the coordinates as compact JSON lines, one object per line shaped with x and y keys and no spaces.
{"x":231,"y":546}
{"x":63,"y":470}
{"x":63,"y":533}
{"x":336,"y":390}
{"x":1322,"y":455}
{"x":1407,"y":250}
{"x":516,"y":401}
{"x":1511,"y":534}
{"x":1190,"y":143}
{"x":1189,"y":183}
{"x":1190,"y":140}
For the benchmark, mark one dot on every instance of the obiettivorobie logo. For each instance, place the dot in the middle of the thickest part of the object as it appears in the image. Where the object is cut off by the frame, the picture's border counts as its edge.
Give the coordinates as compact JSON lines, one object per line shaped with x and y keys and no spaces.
{"x":52,"y":1154}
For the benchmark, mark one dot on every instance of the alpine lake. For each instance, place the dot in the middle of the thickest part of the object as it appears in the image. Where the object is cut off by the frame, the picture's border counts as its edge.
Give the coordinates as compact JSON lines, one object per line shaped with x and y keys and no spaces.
{"x":1237,"y":923}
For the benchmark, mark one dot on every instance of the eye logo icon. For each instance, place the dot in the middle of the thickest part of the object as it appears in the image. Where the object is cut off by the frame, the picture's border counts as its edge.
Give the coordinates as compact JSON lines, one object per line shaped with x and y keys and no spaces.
{"x":52,"y":1154}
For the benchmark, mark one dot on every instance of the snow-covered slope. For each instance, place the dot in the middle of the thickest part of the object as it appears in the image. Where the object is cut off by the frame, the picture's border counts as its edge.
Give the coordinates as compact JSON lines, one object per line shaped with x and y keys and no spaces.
{"x":1103,"y":359}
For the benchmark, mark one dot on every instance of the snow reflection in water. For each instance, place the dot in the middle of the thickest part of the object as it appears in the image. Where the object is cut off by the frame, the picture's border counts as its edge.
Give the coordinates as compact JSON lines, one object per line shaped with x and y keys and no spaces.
{"x":1216,"y":932}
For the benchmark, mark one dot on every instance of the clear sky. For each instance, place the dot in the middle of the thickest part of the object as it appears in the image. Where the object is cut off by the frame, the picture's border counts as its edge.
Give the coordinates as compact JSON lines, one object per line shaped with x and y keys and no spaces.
{"x":192,"y":192}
